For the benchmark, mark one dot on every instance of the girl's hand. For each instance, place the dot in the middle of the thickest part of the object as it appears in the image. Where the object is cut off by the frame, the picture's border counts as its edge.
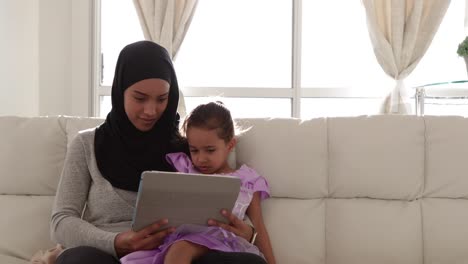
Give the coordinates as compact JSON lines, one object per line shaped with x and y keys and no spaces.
{"x":145,"y":239}
{"x":235,"y":225}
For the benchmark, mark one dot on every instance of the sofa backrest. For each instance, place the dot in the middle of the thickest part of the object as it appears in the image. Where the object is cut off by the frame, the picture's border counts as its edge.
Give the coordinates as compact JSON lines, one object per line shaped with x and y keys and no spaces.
{"x":370,"y":189}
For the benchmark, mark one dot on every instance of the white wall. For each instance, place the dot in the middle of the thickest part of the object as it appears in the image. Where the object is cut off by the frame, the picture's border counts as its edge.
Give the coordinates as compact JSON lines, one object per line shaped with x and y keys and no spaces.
{"x":65,"y":43}
{"x":54,"y":56}
{"x":45,"y":51}
{"x":81,"y":57}
{"x":19,"y":59}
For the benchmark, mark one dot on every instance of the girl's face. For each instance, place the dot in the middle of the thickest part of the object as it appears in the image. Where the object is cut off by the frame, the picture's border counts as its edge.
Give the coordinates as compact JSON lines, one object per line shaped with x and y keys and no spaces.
{"x":209,"y":152}
{"x":145,"y":102}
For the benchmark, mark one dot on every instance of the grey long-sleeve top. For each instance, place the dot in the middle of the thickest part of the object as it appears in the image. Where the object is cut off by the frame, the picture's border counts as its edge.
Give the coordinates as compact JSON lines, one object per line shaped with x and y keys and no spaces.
{"x":108,"y":210}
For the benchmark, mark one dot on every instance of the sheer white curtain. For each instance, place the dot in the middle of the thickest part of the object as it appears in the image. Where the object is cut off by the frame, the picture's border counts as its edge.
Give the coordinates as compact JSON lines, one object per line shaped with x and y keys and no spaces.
{"x":401,"y":31}
{"x":166,"y":22}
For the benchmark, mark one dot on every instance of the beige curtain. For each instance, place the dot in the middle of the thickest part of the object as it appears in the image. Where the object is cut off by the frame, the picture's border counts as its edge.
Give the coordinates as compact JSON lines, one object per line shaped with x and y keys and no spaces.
{"x":401,"y":31}
{"x":166,"y":22}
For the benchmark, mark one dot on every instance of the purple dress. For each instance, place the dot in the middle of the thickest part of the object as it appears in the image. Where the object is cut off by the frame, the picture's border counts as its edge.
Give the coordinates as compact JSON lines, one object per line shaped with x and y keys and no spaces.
{"x":212,"y":237}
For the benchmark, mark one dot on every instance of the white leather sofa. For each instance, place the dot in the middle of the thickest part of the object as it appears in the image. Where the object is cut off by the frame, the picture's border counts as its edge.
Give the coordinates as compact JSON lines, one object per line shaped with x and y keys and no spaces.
{"x":360,"y":190}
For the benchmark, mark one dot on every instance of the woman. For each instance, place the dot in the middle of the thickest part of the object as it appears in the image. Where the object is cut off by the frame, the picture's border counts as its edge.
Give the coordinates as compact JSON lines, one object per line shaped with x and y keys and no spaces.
{"x":97,"y":191}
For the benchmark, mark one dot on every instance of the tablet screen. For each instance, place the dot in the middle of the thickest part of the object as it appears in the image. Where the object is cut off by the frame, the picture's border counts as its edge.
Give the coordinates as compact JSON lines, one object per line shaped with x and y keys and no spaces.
{"x":183,"y":198}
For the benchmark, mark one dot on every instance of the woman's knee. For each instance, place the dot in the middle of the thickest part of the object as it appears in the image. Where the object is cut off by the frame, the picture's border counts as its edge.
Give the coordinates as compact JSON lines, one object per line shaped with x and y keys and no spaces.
{"x":85,"y":254}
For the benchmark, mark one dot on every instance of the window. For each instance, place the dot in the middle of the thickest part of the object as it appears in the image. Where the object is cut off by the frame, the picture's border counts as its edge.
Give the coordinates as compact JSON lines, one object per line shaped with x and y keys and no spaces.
{"x":115,"y":33}
{"x":441,"y":62}
{"x":282,"y":58}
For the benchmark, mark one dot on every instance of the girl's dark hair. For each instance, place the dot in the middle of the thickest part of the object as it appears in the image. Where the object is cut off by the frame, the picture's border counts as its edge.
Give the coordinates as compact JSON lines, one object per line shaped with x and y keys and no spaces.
{"x":213,"y":115}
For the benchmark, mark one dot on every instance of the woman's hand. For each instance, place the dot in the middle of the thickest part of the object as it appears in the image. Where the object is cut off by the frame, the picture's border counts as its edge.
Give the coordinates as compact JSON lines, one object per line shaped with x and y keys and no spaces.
{"x":235,"y":225}
{"x":145,"y":239}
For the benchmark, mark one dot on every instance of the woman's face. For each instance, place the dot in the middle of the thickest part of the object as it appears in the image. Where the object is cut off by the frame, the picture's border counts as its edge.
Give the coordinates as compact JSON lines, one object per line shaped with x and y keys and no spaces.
{"x":145,"y":102}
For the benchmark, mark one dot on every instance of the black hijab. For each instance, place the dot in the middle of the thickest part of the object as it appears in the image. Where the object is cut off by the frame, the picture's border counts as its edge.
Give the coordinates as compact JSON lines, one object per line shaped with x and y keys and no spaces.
{"x":122,"y":151}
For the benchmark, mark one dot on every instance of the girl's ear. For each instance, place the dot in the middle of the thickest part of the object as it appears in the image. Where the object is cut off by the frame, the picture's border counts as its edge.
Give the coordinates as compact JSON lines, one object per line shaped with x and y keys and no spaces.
{"x":232,"y":144}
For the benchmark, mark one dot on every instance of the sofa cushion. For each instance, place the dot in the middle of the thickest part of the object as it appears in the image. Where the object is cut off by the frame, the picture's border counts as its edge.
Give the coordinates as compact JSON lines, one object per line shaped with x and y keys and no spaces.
{"x":32,"y":154}
{"x":373,"y":231}
{"x":4,"y":259}
{"x":446,"y":157}
{"x":297,"y":229}
{"x":291,"y":154}
{"x":445,"y":228}
{"x":377,"y":157}
{"x":24,"y":225}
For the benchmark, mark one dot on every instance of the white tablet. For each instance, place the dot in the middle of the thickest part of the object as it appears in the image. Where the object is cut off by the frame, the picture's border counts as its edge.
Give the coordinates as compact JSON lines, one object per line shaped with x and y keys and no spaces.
{"x":183,"y":198}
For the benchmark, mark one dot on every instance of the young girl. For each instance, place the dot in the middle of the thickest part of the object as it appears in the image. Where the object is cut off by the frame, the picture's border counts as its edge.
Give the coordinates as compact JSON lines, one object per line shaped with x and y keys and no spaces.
{"x":209,"y":130}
